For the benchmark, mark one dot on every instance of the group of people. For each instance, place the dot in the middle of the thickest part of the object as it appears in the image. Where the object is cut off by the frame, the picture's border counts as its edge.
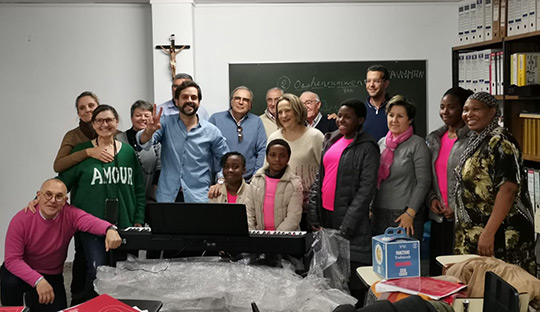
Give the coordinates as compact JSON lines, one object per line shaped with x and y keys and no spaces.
{"x":292,"y":167}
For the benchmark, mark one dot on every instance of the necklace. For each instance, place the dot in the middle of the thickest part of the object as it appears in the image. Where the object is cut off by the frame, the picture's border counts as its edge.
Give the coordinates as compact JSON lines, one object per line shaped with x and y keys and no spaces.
{"x":114,"y":145}
{"x":114,"y":151}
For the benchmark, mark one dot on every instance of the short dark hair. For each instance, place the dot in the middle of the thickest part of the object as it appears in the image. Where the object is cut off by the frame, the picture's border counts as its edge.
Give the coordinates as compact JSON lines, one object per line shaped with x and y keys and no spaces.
{"x":185,"y":85}
{"x":356,"y":104}
{"x":85,"y":93}
{"x":279,"y":142}
{"x":142,"y":105}
{"x":400,"y":100}
{"x":461,"y":94}
{"x":183,"y":76}
{"x":229,"y":154}
{"x":102,"y":108}
{"x":381,"y":69}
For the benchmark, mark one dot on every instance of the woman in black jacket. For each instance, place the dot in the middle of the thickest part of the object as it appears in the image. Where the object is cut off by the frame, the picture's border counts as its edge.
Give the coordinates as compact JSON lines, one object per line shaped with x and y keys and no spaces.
{"x":345,"y":186}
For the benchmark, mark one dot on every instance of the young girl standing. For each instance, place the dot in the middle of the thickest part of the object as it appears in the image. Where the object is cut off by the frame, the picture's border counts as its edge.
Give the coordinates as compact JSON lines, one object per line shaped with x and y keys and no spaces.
{"x":275,"y":199}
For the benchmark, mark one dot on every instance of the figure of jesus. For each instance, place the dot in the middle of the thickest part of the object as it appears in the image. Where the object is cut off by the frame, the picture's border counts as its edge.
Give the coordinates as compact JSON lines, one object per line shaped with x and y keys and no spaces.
{"x":172,"y":52}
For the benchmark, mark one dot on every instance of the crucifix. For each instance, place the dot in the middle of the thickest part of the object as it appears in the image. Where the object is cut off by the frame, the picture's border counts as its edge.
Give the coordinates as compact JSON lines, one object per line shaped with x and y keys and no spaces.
{"x":172,"y":50}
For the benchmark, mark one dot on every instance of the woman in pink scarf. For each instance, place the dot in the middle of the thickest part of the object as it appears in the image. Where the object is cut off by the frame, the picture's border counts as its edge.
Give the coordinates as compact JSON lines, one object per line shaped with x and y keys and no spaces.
{"x":404,"y":173}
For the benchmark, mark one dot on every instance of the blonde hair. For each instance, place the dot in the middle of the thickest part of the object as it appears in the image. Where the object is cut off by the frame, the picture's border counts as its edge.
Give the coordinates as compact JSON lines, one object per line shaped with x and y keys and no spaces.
{"x":299,"y":109}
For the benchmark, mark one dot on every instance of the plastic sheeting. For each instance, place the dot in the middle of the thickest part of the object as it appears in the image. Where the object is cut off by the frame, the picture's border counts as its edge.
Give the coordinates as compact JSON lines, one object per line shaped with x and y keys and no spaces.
{"x":211,"y":284}
{"x":331,"y":258}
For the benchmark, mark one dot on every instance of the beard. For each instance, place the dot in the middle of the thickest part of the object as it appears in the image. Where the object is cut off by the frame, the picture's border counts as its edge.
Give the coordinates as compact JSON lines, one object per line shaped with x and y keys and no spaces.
{"x":182,"y":108}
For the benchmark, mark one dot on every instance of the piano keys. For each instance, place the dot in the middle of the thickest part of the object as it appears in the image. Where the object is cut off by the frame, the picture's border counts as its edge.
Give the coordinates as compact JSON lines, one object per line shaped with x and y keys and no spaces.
{"x":295,"y":243}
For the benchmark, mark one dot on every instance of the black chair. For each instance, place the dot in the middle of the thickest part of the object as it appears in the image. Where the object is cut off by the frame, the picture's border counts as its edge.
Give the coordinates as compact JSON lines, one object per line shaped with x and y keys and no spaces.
{"x":150,"y":305}
{"x":30,"y":300}
{"x":499,"y":295}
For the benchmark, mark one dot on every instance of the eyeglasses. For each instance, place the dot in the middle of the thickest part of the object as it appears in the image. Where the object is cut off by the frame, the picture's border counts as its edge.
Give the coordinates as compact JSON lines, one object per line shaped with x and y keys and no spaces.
{"x":240,"y":134}
{"x":310,"y":102}
{"x":374,"y":81}
{"x":100,"y":121}
{"x":49,"y":196}
{"x":241,"y":99}
{"x":175,"y":86}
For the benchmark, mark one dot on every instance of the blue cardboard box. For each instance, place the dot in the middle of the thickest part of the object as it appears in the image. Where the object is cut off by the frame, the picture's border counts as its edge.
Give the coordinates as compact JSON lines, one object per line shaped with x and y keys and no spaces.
{"x":396,"y":255}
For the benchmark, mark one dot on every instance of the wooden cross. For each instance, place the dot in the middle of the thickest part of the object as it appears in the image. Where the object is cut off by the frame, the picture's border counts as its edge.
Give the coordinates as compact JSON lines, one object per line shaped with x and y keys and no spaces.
{"x":172,"y":50}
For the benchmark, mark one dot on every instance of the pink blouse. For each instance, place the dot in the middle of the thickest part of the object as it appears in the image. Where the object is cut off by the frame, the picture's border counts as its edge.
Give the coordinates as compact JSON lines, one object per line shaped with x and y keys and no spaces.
{"x":331,"y":163}
{"x":269,"y":198}
{"x":441,"y":165}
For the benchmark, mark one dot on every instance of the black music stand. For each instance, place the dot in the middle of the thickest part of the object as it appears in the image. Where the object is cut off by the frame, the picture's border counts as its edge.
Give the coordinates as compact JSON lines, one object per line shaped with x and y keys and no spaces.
{"x":197,"y":218}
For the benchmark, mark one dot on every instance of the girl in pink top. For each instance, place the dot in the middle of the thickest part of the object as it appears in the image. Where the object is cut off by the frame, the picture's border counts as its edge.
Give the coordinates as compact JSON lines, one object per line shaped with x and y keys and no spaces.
{"x":275,"y":197}
{"x":345,"y":185}
{"x":446,"y":145}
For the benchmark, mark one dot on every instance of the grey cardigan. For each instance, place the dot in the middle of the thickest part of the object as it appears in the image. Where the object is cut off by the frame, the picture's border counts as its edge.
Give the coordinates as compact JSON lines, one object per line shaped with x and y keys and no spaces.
{"x":410,"y":176}
{"x":150,"y":161}
{"x":433,"y":141}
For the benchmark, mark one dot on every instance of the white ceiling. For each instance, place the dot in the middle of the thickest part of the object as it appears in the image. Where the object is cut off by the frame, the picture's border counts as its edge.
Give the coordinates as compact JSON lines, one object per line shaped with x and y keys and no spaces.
{"x":222,"y":1}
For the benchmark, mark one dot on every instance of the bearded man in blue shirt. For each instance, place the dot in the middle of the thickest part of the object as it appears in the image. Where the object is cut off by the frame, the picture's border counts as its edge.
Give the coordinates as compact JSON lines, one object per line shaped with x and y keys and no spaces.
{"x":191,"y":148}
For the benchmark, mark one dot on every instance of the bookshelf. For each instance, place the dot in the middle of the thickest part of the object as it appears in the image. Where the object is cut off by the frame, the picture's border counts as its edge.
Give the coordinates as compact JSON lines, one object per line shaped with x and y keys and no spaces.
{"x":525,"y":129}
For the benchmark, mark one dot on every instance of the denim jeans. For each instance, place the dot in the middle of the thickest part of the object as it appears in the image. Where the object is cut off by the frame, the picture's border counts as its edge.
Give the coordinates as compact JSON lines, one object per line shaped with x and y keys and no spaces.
{"x":94,"y":249}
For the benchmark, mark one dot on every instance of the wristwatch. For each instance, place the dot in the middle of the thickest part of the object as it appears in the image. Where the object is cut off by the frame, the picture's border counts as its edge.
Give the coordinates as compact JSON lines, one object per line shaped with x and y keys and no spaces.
{"x":112,"y":227}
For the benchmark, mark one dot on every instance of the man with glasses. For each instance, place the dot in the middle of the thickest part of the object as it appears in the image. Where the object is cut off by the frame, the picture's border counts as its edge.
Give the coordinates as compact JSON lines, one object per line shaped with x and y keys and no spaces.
{"x":170,"y":108}
{"x":244,"y":131}
{"x":269,"y":116}
{"x":191,"y":148}
{"x":314,"y":117}
{"x":37,"y":244}
{"x":377,"y":81}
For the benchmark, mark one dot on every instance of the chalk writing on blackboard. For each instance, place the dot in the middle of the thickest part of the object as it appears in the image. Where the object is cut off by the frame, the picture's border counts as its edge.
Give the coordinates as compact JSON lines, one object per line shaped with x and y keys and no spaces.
{"x":407,"y":74}
{"x":314,"y":83}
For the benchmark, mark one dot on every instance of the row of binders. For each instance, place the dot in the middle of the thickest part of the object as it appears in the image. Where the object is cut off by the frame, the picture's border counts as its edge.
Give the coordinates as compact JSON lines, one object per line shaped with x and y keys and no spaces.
{"x":533,"y":179}
{"x":531,"y":136}
{"x":484,"y":20}
{"x":524,"y":69}
{"x":481,"y":71}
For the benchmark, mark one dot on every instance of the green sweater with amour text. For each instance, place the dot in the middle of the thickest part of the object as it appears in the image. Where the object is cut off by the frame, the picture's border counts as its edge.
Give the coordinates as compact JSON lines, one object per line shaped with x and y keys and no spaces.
{"x":92,"y":182}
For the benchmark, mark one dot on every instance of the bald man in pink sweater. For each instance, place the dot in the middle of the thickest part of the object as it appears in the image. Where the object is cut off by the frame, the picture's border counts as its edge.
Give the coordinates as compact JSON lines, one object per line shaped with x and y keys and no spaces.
{"x":36,"y":247}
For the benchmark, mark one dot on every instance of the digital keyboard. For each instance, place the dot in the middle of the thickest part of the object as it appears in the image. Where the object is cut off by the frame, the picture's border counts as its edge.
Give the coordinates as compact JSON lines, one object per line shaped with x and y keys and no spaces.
{"x":294,"y":243}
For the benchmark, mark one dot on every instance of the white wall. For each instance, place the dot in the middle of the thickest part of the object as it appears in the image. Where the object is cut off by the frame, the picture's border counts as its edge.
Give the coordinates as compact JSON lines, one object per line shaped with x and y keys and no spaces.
{"x":48,"y":55}
{"x":323,"y":32}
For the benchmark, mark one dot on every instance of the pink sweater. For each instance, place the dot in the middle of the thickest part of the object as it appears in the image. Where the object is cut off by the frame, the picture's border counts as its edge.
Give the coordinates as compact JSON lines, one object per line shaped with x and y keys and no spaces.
{"x":34,"y":244}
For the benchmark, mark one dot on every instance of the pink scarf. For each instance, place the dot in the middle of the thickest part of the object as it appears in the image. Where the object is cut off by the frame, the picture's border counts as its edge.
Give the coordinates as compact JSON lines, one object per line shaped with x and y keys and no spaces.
{"x":387,"y":156}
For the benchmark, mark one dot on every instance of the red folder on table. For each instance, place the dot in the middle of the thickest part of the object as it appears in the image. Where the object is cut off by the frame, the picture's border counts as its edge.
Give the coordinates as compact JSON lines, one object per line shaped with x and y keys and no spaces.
{"x":433,"y":288}
{"x":103,"y":303}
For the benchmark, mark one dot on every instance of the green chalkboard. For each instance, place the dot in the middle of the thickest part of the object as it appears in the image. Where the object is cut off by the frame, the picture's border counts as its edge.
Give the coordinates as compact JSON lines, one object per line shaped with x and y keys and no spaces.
{"x":333,"y":82}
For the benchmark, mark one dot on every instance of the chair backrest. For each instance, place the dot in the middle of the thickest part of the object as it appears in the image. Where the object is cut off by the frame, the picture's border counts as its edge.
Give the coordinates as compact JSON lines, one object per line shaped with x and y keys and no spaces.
{"x":499,"y":295}
{"x":30,"y":301}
